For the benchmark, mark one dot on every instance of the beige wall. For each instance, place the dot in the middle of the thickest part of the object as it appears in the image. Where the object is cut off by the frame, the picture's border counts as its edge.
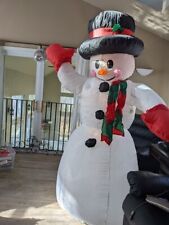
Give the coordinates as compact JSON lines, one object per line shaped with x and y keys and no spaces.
{"x":51,"y":88}
{"x":65,"y":21}
{"x":16,"y":83}
{"x":156,"y":56}
{"x":45,"y":21}
{"x":20,"y":78}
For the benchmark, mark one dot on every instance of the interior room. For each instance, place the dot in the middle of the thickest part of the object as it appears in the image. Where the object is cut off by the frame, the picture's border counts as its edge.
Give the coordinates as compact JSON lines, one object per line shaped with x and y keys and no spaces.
{"x":84,"y":112}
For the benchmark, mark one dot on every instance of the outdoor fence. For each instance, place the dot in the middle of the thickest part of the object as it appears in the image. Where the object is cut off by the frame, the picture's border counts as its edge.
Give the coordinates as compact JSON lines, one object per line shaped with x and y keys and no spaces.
{"x":18,"y":125}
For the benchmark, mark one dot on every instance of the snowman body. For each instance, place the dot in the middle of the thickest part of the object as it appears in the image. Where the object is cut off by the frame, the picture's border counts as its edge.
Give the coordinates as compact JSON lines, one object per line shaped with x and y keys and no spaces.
{"x":92,"y":175}
{"x":91,"y":182}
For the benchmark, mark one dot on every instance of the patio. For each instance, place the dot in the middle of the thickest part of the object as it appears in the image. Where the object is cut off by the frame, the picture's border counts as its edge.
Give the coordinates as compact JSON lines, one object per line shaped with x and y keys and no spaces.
{"x":28,"y":192}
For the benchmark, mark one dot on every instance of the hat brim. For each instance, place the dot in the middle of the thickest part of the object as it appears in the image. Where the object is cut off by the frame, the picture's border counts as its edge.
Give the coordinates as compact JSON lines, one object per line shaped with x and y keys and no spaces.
{"x":111,"y":44}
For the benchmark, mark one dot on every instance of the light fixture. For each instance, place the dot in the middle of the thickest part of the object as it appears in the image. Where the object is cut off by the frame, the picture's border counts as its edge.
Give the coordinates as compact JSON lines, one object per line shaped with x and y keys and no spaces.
{"x":39,"y":54}
{"x":144,"y":72}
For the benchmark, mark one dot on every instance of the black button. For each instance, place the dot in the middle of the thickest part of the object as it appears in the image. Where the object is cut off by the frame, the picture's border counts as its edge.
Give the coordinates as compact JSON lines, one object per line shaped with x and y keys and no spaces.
{"x":91,"y":142}
{"x":99,"y":114}
{"x":104,"y":86}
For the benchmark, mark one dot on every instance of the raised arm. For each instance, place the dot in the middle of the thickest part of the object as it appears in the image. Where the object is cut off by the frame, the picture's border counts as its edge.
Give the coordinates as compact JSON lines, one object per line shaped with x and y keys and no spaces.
{"x":61,"y":58}
{"x":70,"y":79}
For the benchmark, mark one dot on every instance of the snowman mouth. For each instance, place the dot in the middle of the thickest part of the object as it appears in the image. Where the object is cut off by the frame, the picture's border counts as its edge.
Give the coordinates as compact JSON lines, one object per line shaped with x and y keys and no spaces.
{"x":110,"y":79}
{"x":107,"y":79}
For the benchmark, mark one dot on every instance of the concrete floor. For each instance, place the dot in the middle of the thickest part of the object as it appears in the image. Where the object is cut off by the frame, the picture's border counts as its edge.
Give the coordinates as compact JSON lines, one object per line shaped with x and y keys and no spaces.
{"x":27,"y":193}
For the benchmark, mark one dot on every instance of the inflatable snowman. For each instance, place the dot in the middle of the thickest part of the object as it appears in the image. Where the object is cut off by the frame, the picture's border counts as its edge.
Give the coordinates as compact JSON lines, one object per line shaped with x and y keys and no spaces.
{"x":91,"y":181}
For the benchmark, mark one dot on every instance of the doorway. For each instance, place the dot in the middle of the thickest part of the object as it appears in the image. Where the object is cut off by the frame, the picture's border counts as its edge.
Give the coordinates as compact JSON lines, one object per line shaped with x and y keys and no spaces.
{"x":36,"y":112}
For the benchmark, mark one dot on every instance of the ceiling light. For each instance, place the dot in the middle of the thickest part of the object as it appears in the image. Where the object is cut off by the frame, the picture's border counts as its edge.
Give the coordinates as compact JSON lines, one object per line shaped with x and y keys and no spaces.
{"x":144,"y":72}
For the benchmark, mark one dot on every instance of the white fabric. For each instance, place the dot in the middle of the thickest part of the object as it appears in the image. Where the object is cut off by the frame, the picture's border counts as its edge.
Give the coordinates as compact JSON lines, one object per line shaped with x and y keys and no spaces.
{"x":91,"y":100}
{"x":82,"y":68}
{"x":70,"y":80}
{"x":144,"y":98}
{"x":92,"y":182}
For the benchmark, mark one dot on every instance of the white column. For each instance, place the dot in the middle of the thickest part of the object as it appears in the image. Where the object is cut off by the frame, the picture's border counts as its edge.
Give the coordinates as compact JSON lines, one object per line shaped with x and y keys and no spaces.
{"x":165,"y":5}
{"x":40,"y":68}
{"x":1,"y":95}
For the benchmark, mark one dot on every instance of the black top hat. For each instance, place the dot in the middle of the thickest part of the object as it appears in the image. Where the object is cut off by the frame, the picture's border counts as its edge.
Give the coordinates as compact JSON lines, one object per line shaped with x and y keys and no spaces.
{"x":111,"y":32}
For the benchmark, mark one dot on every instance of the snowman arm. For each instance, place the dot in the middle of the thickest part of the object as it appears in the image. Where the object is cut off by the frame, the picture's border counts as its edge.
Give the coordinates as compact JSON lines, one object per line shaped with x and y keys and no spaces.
{"x":70,"y":79}
{"x":144,"y":98}
{"x":155,"y":112}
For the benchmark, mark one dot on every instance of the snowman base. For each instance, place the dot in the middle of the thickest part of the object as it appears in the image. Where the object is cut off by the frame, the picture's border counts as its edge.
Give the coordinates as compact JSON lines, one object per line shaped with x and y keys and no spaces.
{"x":92,"y":183}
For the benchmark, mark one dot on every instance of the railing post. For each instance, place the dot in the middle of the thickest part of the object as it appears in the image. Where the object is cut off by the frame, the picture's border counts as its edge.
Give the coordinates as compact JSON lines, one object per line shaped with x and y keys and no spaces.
{"x":1,"y":95}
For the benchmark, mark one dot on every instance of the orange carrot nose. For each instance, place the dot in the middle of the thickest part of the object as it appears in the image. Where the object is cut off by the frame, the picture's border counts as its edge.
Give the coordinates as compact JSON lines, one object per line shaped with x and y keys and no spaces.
{"x":102,"y":72}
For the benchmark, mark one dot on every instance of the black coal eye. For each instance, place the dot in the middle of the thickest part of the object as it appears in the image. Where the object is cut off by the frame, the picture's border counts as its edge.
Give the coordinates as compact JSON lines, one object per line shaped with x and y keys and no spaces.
{"x":97,"y":64}
{"x":110,"y":64}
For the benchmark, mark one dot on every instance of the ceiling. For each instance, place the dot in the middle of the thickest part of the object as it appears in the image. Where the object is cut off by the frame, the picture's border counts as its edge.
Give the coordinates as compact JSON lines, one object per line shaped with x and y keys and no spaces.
{"x":145,"y":16}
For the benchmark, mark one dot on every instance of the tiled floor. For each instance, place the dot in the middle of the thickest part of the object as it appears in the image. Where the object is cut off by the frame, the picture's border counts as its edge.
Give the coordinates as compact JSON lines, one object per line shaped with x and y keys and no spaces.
{"x":27,"y":193}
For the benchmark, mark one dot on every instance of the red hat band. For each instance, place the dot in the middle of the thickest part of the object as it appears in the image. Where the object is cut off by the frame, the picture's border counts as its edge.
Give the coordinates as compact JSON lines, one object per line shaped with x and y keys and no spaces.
{"x":108,"y":31}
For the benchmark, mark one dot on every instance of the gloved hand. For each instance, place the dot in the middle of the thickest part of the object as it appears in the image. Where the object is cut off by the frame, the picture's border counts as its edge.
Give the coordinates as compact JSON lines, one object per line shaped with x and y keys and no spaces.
{"x":157,"y":120}
{"x":58,"y":55}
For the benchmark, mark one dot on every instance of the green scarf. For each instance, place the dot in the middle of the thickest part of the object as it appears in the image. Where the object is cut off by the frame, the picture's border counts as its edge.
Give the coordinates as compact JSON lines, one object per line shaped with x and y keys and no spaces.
{"x":112,"y":122}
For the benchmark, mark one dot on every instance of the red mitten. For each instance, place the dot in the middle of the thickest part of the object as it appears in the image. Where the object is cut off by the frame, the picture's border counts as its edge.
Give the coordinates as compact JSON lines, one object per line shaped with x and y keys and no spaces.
{"x":57,"y":55}
{"x":157,"y":120}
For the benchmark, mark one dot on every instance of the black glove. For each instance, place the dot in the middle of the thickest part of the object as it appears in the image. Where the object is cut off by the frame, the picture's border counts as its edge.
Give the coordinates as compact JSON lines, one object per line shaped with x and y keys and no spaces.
{"x":144,"y":183}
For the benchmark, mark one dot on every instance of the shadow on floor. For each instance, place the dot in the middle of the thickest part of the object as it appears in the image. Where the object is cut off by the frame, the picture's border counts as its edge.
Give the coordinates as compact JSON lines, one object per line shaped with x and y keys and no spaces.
{"x":31,"y":184}
{"x":12,"y":221}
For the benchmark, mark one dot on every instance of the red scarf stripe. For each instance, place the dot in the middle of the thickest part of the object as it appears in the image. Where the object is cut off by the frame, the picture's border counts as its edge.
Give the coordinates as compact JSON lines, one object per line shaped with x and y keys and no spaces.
{"x":106,"y":139}
{"x":110,"y":113}
{"x":112,"y":123}
{"x":121,"y":100}
{"x":118,"y":132}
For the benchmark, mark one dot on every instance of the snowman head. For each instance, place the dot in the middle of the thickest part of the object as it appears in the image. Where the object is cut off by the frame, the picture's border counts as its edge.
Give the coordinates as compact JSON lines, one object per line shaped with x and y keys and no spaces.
{"x":111,"y":46}
{"x":111,"y":67}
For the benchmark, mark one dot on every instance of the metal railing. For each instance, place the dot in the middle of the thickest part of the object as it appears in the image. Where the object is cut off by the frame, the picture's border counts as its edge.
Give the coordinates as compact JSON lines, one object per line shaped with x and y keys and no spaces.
{"x":18,"y":125}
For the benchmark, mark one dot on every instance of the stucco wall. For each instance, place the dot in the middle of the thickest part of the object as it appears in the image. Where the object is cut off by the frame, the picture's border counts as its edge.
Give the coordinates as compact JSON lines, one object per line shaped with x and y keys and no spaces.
{"x":156,"y":56}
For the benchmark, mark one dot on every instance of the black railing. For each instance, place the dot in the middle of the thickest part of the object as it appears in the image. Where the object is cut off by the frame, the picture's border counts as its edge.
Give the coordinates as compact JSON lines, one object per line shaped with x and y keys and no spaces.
{"x":55,"y":125}
{"x":18,"y":125}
